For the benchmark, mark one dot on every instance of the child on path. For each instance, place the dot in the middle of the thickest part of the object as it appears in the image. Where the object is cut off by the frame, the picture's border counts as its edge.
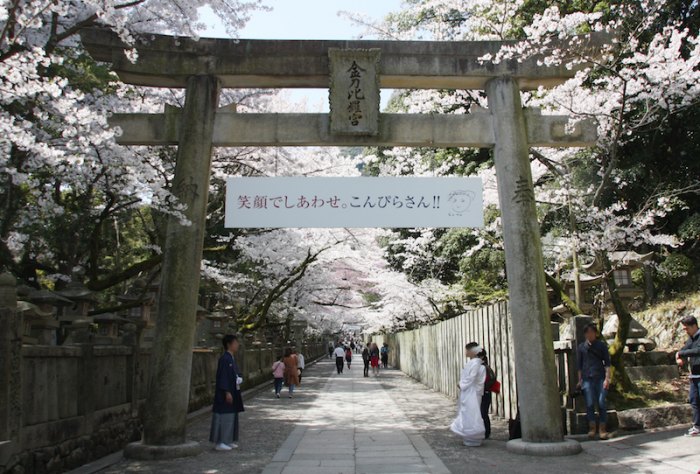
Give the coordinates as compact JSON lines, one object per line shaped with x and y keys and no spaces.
{"x":278,"y":374}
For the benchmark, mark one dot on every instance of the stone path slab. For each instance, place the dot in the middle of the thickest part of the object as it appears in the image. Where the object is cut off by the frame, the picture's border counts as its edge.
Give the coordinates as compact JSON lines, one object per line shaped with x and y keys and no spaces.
{"x":355,"y":427}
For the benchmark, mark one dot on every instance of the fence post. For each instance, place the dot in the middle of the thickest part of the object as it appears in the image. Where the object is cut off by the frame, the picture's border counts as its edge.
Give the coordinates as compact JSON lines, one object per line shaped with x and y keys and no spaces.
{"x":10,"y":370}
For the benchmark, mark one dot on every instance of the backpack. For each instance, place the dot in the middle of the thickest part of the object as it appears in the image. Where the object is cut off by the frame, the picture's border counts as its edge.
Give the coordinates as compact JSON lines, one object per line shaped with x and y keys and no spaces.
{"x":491,"y":384}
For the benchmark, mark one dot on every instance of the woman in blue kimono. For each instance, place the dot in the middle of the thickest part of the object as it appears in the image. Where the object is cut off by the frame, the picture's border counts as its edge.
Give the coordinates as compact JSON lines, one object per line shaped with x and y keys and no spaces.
{"x":228,"y":401}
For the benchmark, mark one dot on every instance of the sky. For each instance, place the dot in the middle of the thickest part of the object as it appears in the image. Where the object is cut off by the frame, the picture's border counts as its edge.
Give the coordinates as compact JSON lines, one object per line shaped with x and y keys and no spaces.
{"x":308,"y":19}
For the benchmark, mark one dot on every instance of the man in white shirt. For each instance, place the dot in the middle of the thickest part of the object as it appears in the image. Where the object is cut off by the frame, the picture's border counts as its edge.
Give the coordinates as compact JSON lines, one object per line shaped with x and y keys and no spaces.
{"x":339,"y":354}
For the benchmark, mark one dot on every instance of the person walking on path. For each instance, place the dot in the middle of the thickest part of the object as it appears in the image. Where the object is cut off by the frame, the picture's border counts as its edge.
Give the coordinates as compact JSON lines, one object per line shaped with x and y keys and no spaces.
{"x":291,"y":371}
{"x":374,"y":358}
{"x":690,"y":354}
{"x":486,"y":398}
{"x":594,"y":378}
{"x":384,"y":351}
{"x":228,"y":401}
{"x":330,"y":350}
{"x":339,"y":356}
{"x":365,"y":360}
{"x":278,"y":374}
{"x":300,"y":363}
{"x":469,"y":424}
{"x":348,"y":356}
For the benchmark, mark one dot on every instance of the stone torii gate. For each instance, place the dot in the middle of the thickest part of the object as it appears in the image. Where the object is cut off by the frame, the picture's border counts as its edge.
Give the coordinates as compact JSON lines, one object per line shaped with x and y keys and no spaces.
{"x":354,"y":70}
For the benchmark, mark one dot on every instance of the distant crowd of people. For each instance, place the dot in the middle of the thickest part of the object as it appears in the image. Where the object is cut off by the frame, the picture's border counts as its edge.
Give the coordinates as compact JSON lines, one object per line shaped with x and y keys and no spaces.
{"x":371,"y":355}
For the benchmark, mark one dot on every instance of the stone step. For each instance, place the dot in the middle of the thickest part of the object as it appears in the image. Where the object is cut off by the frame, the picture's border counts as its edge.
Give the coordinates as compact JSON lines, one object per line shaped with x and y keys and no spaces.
{"x":579,"y":423}
{"x":653,"y":373}
{"x":655,"y":417}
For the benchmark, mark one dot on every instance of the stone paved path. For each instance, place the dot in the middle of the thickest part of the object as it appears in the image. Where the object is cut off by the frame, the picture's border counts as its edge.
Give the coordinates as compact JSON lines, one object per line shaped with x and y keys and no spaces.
{"x":394,"y":424}
{"x":355,"y":427}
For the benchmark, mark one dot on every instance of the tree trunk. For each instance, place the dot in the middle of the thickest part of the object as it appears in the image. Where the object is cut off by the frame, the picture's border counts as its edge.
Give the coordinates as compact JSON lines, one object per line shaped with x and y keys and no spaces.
{"x":618,"y":375}
{"x":558,"y":289}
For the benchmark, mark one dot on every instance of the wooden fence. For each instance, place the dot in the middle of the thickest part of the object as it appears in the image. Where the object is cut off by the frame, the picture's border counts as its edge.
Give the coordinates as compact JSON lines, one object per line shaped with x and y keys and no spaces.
{"x":434,"y":354}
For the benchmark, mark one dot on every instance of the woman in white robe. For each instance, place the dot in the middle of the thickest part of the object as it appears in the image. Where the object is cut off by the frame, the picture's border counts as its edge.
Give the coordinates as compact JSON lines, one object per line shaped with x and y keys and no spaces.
{"x":469,"y":424}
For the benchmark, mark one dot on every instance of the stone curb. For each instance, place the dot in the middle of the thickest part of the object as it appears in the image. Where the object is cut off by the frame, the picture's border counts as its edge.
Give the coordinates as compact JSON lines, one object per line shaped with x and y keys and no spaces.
{"x":568,"y":447}
{"x":146,"y":452}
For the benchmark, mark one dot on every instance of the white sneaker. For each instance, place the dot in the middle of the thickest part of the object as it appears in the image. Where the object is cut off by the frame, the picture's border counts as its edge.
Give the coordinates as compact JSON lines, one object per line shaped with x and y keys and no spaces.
{"x":694,"y":431}
{"x":222,"y":447}
{"x":471,"y":444}
{"x":232,"y":445}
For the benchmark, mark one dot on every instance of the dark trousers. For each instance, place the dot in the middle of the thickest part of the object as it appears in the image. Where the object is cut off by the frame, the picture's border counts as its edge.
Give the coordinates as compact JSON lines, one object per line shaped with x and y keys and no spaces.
{"x":235,"y":428}
{"x":385,"y":360}
{"x":339,"y":364}
{"x":485,"y":405}
{"x":595,"y":394}
{"x":278,"y":384}
{"x":366,"y":368}
{"x":301,"y":371}
{"x":694,"y":393}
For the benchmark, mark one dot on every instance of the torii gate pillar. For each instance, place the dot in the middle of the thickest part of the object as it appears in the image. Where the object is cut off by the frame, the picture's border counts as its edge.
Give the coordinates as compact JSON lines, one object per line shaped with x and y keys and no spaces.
{"x":538,"y":395}
{"x":164,"y":426}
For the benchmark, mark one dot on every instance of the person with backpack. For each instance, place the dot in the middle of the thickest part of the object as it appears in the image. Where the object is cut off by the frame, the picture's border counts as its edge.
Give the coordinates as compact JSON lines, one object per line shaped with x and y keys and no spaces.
{"x":374,"y":358}
{"x":365,"y":360}
{"x":491,"y":386}
{"x":384,"y":352}
{"x":689,"y":356}
{"x":278,"y":374}
{"x":593,"y":361}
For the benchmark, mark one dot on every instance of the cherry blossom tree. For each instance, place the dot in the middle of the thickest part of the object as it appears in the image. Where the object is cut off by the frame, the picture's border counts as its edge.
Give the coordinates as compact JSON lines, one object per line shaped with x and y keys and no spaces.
{"x":640,"y":86}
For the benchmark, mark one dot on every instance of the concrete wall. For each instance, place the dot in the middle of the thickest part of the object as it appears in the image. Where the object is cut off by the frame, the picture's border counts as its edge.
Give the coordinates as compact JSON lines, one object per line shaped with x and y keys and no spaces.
{"x":79,"y":403}
{"x":434,"y":355}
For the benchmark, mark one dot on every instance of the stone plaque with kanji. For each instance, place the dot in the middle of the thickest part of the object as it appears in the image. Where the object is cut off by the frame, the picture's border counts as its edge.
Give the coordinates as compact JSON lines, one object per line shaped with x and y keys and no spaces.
{"x":354,"y":91}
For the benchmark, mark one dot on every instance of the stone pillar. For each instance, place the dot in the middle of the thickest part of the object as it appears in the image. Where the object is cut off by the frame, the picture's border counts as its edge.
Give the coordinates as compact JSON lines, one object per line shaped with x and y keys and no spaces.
{"x":538,"y":395}
{"x":165,"y":413}
{"x":10,"y":370}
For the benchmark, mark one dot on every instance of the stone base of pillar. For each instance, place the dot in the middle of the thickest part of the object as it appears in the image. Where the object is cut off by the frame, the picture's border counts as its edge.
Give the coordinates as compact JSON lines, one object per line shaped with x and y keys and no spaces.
{"x":568,"y":447}
{"x":146,"y":452}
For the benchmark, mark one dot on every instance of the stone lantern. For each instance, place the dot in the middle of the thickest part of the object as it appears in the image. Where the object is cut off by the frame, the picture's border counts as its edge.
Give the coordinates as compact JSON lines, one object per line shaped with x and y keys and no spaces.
{"x":82,"y":298}
{"x":79,"y":331}
{"x":297,"y":329}
{"x":40,"y":307}
{"x":108,"y":325}
{"x":33,"y":317}
{"x":142,"y":298}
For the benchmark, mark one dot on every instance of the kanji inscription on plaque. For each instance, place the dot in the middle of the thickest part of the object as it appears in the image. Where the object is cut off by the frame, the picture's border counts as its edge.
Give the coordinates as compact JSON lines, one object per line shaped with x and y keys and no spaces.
{"x":354,"y":91}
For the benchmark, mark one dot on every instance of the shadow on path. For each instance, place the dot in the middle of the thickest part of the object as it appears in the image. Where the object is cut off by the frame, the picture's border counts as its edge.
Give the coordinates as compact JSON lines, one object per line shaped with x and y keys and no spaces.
{"x":265,"y":425}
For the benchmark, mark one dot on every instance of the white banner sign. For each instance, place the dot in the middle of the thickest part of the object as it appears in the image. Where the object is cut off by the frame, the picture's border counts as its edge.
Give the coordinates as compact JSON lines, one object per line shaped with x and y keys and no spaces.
{"x":354,"y":202}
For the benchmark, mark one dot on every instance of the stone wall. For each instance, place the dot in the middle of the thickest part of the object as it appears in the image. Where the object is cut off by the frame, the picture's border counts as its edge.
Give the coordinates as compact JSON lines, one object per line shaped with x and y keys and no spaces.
{"x":662,"y":320}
